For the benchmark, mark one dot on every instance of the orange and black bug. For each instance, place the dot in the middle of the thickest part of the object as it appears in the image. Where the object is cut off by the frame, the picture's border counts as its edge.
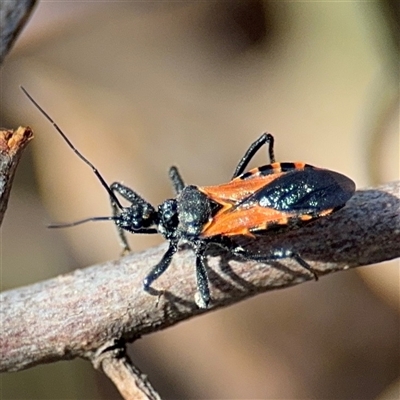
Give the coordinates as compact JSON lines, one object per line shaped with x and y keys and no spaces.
{"x":264,"y":198}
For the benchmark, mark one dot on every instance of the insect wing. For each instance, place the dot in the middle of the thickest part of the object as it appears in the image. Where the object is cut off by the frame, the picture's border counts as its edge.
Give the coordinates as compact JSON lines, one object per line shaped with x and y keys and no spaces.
{"x":297,"y":195}
{"x":240,"y":188}
{"x":309,"y":191}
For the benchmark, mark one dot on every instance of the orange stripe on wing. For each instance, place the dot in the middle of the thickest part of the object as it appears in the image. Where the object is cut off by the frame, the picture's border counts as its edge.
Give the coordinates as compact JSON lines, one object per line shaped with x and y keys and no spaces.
{"x":242,"y":220}
{"x":237,"y":189}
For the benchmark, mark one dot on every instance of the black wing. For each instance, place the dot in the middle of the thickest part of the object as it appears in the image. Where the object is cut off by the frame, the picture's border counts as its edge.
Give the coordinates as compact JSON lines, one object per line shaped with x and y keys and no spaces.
{"x":310,"y":190}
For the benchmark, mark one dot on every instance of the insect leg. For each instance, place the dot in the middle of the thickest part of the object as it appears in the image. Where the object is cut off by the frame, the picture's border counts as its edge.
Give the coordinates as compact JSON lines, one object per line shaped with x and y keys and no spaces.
{"x":254,"y":147}
{"x":276,"y":254}
{"x":161,"y":267}
{"x":176,"y":179}
{"x":203,"y":284}
{"x":127,"y":193}
{"x":130,"y":195}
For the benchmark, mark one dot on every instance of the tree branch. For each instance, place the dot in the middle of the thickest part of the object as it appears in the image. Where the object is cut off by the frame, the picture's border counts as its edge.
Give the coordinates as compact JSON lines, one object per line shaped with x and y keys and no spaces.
{"x":13,"y":16}
{"x":12,"y":143}
{"x":76,"y":314}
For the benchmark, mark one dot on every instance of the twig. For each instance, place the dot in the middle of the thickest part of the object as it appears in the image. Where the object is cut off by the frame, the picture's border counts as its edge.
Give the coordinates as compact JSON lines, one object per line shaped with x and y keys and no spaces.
{"x":128,"y":379}
{"x":12,"y":143}
{"x":76,"y":314}
{"x":13,"y":16}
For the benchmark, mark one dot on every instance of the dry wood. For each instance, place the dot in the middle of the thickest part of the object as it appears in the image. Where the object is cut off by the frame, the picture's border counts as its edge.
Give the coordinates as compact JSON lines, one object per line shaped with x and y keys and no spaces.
{"x":129,"y":380}
{"x":12,"y":143}
{"x":76,"y":314}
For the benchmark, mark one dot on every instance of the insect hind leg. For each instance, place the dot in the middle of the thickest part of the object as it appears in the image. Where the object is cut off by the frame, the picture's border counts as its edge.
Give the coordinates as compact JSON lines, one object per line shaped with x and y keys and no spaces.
{"x":252,"y":150}
{"x":279,"y":254}
{"x":275,"y":254}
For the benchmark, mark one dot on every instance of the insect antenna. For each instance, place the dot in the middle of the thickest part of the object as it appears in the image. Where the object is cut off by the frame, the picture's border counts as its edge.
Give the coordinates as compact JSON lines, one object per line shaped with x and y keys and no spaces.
{"x":76,"y":151}
{"x":82,"y":221}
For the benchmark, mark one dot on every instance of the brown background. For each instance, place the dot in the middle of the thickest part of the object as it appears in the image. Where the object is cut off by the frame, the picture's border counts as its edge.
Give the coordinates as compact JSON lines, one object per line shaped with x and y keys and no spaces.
{"x":141,"y":86}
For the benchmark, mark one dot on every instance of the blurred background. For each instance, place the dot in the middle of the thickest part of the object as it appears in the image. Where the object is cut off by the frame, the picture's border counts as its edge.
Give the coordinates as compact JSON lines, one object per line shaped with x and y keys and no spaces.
{"x":139,"y":87}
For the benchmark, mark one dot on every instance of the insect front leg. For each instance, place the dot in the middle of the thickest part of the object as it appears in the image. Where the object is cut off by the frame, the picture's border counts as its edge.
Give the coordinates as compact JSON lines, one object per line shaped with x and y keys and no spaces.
{"x":131,"y":196}
{"x":176,"y":179}
{"x":254,"y":147}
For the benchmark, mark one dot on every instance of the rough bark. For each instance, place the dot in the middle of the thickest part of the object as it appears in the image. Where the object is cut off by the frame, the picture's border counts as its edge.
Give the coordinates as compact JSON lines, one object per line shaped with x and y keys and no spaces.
{"x":12,"y":143}
{"x":76,"y":314}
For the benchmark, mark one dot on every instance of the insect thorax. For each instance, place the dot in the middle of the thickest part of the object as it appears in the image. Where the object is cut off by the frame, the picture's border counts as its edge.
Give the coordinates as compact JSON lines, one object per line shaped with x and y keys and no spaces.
{"x":194,"y":210}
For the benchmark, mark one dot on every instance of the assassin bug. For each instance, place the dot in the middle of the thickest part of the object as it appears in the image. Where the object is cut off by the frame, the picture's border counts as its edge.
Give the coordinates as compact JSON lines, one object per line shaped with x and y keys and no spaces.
{"x":271,"y":196}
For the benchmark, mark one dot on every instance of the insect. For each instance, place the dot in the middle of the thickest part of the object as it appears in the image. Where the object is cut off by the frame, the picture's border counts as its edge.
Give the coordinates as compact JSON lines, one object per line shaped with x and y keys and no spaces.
{"x":268,"y":197}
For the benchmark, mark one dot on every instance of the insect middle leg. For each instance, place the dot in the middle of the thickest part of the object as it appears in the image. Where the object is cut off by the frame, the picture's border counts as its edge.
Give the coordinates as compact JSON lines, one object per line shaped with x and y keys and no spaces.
{"x":162,"y":266}
{"x":254,"y":147}
{"x":201,"y":271}
{"x":203,"y":283}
